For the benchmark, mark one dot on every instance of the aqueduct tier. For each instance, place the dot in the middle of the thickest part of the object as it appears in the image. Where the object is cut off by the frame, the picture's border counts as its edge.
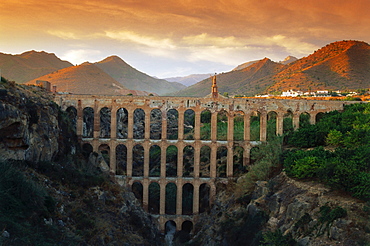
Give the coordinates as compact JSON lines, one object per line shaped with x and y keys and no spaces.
{"x":171,"y":150}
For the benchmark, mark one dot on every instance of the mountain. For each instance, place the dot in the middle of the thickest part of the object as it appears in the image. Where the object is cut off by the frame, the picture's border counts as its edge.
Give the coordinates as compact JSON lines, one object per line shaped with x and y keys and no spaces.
{"x":85,"y":79}
{"x":134,"y":79}
{"x":190,"y":79}
{"x":342,"y":65}
{"x":254,"y":77}
{"x":30,"y":65}
{"x":244,"y":65}
{"x":288,"y":59}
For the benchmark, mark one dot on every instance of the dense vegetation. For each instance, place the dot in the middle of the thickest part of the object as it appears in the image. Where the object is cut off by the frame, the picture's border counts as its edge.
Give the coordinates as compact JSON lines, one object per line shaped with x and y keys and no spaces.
{"x":339,"y":151}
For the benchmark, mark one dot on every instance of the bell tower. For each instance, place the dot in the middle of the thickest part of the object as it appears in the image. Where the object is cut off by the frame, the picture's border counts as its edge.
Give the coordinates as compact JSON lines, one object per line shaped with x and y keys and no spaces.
{"x":214,"y":90}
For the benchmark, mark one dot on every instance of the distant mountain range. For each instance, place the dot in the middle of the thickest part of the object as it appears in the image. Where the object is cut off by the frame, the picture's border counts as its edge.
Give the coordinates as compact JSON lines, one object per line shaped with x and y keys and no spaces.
{"x":109,"y":76}
{"x":190,"y":79}
{"x":342,"y":65}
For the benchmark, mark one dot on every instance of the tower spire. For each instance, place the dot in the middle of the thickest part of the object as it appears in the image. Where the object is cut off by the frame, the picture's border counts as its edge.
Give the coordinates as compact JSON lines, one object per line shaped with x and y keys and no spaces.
{"x":214,"y":90}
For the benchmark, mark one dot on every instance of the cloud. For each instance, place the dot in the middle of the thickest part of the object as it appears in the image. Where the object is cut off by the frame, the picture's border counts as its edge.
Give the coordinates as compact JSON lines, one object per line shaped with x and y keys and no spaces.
{"x":63,"y":34}
{"x":205,"y":39}
{"x":78,"y":56}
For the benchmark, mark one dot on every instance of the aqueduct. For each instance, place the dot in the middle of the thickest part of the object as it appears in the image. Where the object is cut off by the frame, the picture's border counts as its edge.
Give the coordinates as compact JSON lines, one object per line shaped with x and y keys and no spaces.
{"x":171,"y":150}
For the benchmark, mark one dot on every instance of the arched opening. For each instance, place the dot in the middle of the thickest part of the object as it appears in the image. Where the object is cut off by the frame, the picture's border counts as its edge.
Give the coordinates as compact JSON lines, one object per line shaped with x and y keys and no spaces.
{"x":255,"y":126}
{"x":155,"y":161}
{"x":104,"y":150}
{"x":172,"y":124}
{"x":171,"y":198}
{"x":204,"y":191}
{"x":138,"y":161}
{"x":187,"y":226}
{"x":205,"y":125}
{"x":121,"y":159}
{"x":187,"y":199}
{"x":239,"y":166}
{"x":288,"y":127}
{"x":88,"y":123}
{"x":189,"y":124}
{"x":188,"y":161}
{"x":87,"y":149}
{"x":154,"y":197}
{"x":72,"y":115}
{"x":304,"y":119}
{"x":139,"y":123}
{"x":137,"y":189}
{"x":239,"y":126}
{"x":105,"y":121}
{"x":222,"y":124}
{"x":205,"y":160}
{"x":221,"y":161}
{"x":156,"y":124}
{"x":319,"y":116}
{"x":271,"y":125}
{"x":170,"y":228}
{"x":122,"y":123}
{"x":171,"y":161}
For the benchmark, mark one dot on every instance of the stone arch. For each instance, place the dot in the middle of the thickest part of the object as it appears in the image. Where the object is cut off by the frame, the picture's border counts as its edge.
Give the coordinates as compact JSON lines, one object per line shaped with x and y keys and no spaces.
{"x":122,"y":123}
{"x":187,"y":199}
{"x":139,"y":123}
{"x":88,"y":122}
{"x":304,"y":119}
{"x":171,"y":161}
{"x":105,"y":122}
{"x":87,"y":149}
{"x":222,"y":125}
{"x":171,"y":198}
{"x":137,"y":189}
{"x":104,"y":150}
{"x":154,"y":161}
{"x":205,"y":125}
{"x":156,"y":124}
{"x":271,"y":124}
{"x":255,"y":126}
{"x":205,"y":161}
{"x":238,"y":161}
{"x":221,"y":161}
{"x":72,"y":115}
{"x":187,"y":226}
{"x":188,"y":161}
{"x":319,"y":116}
{"x":170,"y":227}
{"x":189,"y":124}
{"x":172,"y":124}
{"x":239,"y":126}
{"x":121,"y":159}
{"x":138,"y":160}
{"x":204,"y":197}
{"x":154,"y":198}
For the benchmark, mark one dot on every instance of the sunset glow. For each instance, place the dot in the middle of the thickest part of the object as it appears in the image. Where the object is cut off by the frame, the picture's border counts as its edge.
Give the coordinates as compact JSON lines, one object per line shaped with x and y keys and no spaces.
{"x":182,"y":37}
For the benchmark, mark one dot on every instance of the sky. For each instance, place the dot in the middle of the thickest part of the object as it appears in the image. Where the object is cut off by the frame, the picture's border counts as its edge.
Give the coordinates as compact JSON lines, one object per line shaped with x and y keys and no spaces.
{"x":167,"y":38}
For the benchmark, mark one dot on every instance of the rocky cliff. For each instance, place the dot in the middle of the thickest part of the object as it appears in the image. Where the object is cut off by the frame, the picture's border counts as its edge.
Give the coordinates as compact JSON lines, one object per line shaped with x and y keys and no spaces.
{"x":287,"y":211}
{"x":50,"y":193}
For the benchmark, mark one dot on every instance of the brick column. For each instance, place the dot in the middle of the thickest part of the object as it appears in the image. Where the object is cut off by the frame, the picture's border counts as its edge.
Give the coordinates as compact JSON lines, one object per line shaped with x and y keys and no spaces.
{"x":112,"y":157}
{"x":79,"y":123}
{"x":197,"y":125}
{"x":130,"y":123}
{"x":179,"y":197}
{"x":146,"y":158}
{"x":164,"y":125}
{"x":147,"y":124}
{"x":197,"y":147}
{"x":162,"y":200}
{"x":263,"y":126}
{"x":313,"y":118}
{"x":230,"y":161}
{"x":129,"y":147}
{"x":180,"y":159}
{"x":214,"y":126}
{"x":113,"y":121}
{"x":96,"y":120}
{"x":180,"y":123}
{"x":146,"y":194}
{"x":196,"y":198}
{"x":163,"y":160}
{"x":230,"y":127}
{"x":296,"y":121}
{"x":247,"y":127}
{"x":213,"y":163}
{"x":280,"y":124}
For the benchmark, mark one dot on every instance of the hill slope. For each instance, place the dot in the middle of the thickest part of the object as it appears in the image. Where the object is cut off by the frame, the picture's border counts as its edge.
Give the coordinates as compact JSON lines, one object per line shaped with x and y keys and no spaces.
{"x":337,"y":66}
{"x":134,"y":79}
{"x":83,"y":79}
{"x":343,"y":65}
{"x":189,"y":80}
{"x":30,"y":65}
